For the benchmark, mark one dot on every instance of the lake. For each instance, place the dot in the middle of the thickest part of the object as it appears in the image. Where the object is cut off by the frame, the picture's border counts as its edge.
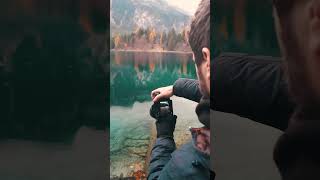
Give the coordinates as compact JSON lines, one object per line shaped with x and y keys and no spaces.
{"x":133,"y":75}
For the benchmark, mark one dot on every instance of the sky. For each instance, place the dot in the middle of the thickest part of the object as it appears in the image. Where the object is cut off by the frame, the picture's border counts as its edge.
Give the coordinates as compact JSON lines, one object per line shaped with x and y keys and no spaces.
{"x":190,"y":6}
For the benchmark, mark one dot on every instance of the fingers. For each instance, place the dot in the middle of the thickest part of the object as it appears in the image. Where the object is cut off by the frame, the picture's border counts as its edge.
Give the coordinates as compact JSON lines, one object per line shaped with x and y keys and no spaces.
{"x":157,"y":97}
{"x":164,"y":92}
{"x":154,"y":93}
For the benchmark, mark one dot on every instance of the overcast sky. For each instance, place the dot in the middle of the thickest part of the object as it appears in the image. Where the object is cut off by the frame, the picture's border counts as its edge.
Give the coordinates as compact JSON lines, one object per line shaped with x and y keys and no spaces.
{"x":189,"y":6}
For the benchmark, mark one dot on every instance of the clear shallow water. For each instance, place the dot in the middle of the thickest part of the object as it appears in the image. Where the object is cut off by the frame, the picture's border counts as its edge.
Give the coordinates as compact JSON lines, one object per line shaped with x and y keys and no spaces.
{"x":133,"y":76}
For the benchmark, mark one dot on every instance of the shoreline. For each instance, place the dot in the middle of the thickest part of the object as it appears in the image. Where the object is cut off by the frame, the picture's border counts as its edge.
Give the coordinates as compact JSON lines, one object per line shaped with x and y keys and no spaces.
{"x":149,"y":51}
{"x":153,"y":138}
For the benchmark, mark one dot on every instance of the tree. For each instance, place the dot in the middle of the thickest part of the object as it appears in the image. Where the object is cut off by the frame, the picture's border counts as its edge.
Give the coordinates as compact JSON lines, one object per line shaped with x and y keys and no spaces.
{"x":146,"y":34}
{"x":152,"y":36}
{"x":139,"y":32}
{"x":163,"y":39}
{"x":112,"y":45}
{"x":172,"y":39}
{"x":185,"y":35}
{"x":180,"y":37}
{"x":131,"y":39}
{"x":117,"y":41}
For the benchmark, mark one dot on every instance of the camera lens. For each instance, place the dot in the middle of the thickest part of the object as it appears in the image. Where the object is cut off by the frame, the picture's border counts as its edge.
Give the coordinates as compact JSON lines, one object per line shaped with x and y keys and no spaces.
{"x":165,"y":111}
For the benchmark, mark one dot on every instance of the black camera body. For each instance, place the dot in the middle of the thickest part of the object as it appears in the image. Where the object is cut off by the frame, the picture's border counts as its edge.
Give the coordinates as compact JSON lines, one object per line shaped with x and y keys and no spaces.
{"x":162,"y":108}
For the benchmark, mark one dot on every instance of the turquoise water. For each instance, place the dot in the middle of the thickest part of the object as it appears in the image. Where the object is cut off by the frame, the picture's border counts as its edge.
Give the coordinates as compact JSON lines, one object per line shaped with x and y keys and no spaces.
{"x":133,"y":76}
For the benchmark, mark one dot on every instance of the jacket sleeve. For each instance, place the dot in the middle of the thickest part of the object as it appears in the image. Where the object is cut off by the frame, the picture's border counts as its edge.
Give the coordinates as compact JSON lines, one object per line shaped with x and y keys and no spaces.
{"x":160,"y":156}
{"x":251,"y":87}
{"x":187,"y":88}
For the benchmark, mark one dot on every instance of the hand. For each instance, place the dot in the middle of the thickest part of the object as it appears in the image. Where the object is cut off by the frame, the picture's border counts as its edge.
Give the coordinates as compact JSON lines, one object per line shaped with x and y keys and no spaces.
{"x":165,"y":123}
{"x":160,"y":93}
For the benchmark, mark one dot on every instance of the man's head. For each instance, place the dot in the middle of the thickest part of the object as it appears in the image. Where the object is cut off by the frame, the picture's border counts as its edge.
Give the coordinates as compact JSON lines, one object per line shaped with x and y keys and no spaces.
{"x":199,"y":40}
{"x":298,"y":29}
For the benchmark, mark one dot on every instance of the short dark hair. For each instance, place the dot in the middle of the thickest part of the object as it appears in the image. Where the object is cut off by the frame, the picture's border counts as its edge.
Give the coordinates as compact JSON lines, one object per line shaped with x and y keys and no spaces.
{"x":199,"y":35}
{"x":282,"y":7}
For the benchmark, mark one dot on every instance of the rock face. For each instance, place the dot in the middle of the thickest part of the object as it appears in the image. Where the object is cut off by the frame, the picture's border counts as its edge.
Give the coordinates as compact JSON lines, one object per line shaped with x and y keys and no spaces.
{"x":127,"y":15}
{"x":132,"y":134}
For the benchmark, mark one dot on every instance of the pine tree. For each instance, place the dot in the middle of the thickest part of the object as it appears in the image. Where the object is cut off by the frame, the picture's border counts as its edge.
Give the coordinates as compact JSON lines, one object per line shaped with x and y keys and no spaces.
{"x":163,"y":39}
{"x":139,"y":32}
{"x":172,"y":39}
{"x":146,"y":34}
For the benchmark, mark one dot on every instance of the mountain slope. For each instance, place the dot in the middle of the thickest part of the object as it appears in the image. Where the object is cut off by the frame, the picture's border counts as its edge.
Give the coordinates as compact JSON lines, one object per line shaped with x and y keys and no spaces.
{"x":128,"y":15}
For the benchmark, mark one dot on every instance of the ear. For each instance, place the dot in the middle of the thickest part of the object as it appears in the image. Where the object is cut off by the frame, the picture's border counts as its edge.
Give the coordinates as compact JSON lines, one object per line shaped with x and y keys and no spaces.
{"x":206,"y":58}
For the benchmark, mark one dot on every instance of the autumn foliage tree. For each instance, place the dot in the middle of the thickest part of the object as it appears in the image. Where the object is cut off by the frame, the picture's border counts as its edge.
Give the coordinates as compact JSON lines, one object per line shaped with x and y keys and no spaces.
{"x":117,"y":40}
{"x":152,"y":36}
{"x":166,"y":40}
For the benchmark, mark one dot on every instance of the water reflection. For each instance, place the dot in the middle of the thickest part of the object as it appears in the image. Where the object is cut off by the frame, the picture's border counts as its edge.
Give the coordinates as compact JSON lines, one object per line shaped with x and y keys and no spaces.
{"x":135,"y":74}
{"x":245,"y":26}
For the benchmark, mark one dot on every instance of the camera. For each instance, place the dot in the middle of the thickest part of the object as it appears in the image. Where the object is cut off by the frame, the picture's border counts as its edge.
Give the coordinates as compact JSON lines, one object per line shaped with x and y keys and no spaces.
{"x":162,"y":108}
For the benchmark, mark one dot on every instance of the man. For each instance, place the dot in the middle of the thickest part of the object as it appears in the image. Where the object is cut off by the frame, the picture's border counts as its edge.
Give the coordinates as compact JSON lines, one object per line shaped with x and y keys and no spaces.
{"x":297,"y":150}
{"x":192,"y":160}
{"x":296,"y":153}
{"x":249,"y":86}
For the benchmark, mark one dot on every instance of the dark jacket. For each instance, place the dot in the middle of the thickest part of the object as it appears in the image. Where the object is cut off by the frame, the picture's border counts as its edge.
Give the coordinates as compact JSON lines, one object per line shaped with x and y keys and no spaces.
{"x":187,"y":88}
{"x":249,"y":86}
{"x":297,"y":150}
{"x":254,"y":87}
{"x":186,"y":162}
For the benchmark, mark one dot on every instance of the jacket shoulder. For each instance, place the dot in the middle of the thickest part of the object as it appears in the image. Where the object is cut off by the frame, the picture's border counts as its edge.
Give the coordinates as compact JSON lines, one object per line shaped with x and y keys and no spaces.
{"x":186,"y":163}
